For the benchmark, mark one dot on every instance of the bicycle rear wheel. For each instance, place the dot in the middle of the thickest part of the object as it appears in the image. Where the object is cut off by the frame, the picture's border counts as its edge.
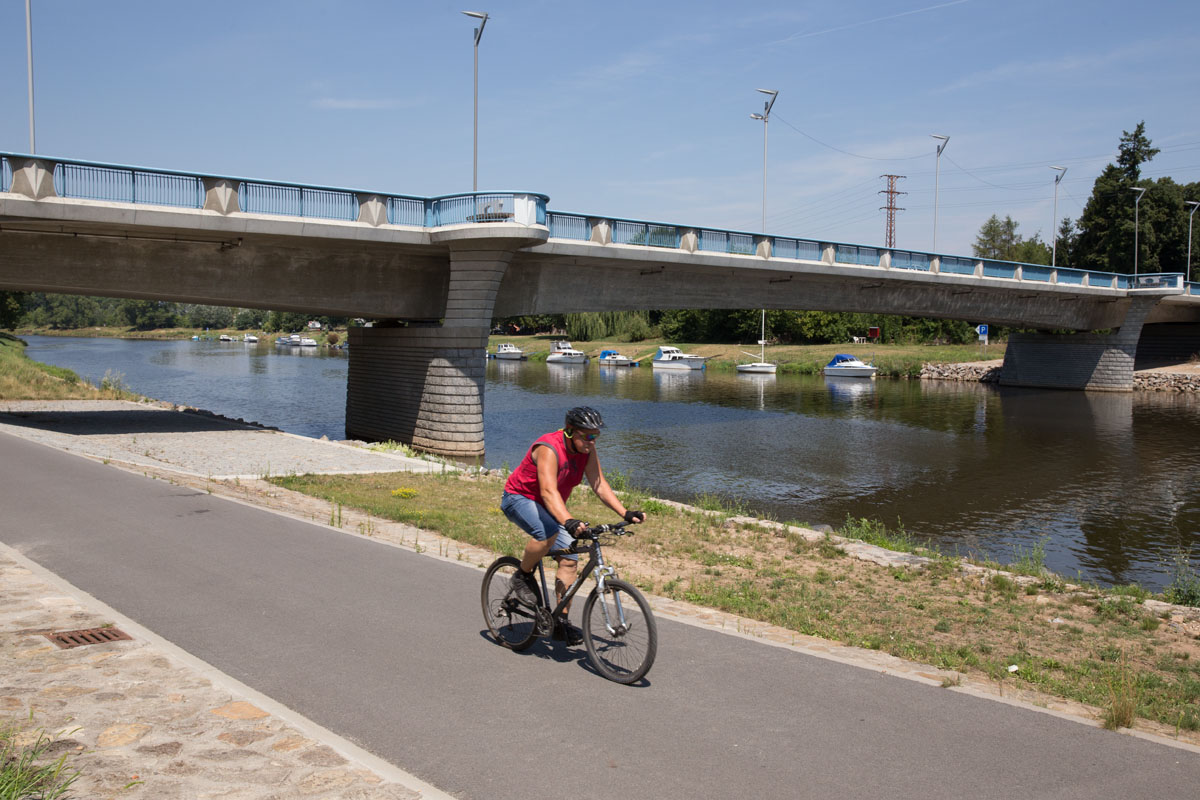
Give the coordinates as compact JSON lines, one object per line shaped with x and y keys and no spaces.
{"x":513,"y":623}
{"x":619,"y":632}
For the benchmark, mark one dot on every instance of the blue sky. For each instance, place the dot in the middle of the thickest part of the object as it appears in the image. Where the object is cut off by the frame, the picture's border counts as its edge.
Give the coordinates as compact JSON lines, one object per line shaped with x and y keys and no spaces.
{"x":635,"y":110}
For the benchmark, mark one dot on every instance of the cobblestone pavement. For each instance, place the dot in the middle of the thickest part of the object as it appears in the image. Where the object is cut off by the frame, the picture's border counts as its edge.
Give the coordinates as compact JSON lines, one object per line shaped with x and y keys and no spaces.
{"x":142,"y":719}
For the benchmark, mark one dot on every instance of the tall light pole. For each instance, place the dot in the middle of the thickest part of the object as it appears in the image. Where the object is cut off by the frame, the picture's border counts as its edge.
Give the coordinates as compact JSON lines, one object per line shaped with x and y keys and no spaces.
{"x":1054,"y":218}
{"x":765,"y":117}
{"x":29,"y":61}
{"x":937,"y":172}
{"x":1194,"y":204}
{"x":1141,"y":190}
{"x":483,"y":18}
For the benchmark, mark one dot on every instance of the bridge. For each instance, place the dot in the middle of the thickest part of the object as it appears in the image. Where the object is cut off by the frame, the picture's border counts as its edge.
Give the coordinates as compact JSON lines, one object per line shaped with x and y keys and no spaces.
{"x":436,"y":270}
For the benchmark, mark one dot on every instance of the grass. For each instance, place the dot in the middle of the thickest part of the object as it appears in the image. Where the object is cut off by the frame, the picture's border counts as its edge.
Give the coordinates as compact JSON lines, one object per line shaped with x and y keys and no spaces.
{"x":1099,"y":647}
{"x":21,"y":378}
{"x":27,"y":772}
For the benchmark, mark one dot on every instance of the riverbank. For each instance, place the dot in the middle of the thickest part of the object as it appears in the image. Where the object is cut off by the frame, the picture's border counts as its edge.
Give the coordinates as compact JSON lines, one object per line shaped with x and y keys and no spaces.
{"x":858,"y":593}
{"x":1175,"y":378}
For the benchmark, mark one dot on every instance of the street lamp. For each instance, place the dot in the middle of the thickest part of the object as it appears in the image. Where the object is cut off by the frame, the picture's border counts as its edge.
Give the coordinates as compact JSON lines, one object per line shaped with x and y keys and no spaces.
{"x":1054,"y":219}
{"x":765,"y":117}
{"x":1141,"y":190}
{"x":29,"y":61}
{"x":936,"y":175}
{"x":483,"y":18}
{"x":1194,"y":204}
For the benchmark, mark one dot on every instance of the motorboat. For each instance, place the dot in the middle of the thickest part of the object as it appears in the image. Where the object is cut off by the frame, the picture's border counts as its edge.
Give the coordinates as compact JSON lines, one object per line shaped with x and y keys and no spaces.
{"x":283,"y":340}
{"x":294,"y":340}
{"x":563,"y":353}
{"x":761,"y":366}
{"x":611,"y":358}
{"x":672,"y":358}
{"x":251,"y":338}
{"x":307,"y":342}
{"x":849,"y":366}
{"x":509,"y":352}
{"x":225,"y":337}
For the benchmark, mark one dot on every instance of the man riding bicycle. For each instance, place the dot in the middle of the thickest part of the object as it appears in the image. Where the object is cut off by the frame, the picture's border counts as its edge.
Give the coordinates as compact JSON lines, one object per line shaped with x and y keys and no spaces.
{"x":535,"y":499}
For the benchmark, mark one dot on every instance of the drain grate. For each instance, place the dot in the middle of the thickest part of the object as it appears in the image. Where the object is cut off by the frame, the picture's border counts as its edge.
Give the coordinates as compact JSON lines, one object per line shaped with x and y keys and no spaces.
{"x":69,"y":639}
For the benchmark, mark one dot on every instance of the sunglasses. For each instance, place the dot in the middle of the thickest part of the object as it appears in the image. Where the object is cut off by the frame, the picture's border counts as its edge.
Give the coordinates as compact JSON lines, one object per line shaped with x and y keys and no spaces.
{"x":591,"y":437}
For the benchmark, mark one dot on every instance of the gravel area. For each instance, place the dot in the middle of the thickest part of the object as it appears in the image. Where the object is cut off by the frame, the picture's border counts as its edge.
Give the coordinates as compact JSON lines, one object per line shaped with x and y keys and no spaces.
{"x":161,"y":436}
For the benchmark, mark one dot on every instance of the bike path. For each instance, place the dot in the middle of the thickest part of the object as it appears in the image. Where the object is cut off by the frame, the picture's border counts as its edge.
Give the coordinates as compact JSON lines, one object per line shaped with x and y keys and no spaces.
{"x":386,"y":647}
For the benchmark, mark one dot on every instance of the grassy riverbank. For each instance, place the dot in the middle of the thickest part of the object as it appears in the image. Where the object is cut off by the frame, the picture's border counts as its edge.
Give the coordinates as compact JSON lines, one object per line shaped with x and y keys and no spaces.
{"x":893,"y":360}
{"x":1099,"y":647}
{"x":171,"y":334}
{"x":22,"y":378}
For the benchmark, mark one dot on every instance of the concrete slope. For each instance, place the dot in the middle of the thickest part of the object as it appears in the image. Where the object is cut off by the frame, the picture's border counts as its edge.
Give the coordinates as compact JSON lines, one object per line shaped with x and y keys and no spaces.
{"x":386,"y":647}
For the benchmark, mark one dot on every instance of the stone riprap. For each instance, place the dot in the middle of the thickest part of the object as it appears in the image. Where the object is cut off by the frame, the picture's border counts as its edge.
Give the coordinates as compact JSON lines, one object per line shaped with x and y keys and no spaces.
{"x":1155,"y":381}
{"x":981,"y":371}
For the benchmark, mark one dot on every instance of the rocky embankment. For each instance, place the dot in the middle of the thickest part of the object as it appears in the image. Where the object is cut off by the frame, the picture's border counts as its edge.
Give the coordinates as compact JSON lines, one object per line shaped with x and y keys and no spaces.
{"x":1155,"y":381}
{"x":981,"y":371}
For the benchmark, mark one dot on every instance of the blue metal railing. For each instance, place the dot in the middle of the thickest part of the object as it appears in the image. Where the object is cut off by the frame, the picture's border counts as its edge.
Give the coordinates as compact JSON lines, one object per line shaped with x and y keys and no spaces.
{"x":647,"y":233}
{"x":999,"y":269}
{"x":120,"y":185}
{"x":903,"y":259}
{"x":795,"y":248}
{"x":297,"y":201}
{"x":726,"y":242}
{"x":1071,"y":276}
{"x":957,"y":266}
{"x":1036,"y":272}
{"x":569,"y":226}
{"x":5,"y":175}
{"x":1096,"y":278}
{"x":1192,"y":288}
{"x":407,"y":211}
{"x":853,"y":254}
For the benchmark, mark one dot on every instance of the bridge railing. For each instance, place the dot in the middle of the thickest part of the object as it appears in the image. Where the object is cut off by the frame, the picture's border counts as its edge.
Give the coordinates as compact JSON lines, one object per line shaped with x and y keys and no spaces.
{"x":569,"y":226}
{"x":798,"y":249}
{"x":297,"y":201}
{"x":726,"y":242}
{"x":652,"y":234}
{"x":128,"y":185}
{"x":1192,"y":288}
{"x":5,"y":175}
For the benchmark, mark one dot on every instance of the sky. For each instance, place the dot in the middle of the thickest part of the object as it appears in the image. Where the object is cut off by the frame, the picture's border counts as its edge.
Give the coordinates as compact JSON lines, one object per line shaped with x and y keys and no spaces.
{"x":636,"y":110}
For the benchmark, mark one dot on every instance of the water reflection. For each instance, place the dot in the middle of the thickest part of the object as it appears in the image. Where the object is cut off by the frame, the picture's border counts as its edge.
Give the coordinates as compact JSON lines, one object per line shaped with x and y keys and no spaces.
{"x":1110,"y":481}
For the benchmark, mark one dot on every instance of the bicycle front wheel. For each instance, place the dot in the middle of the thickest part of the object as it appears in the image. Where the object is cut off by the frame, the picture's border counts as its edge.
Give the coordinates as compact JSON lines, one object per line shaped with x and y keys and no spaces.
{"x":513,"y":623}
{"x":619,"y":632}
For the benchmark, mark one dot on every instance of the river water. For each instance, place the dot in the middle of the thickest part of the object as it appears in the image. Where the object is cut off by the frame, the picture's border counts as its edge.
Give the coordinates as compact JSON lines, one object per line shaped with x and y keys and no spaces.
{"x":1108,"y":483}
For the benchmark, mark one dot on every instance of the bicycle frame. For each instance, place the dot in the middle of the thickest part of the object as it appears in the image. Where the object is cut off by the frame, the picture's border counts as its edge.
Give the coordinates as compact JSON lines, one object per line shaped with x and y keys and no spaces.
{"x":595,"y":564}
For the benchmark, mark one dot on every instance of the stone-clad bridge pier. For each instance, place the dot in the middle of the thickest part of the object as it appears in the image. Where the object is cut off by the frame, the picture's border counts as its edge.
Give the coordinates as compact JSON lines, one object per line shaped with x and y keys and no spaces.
{"x":435,"y":271}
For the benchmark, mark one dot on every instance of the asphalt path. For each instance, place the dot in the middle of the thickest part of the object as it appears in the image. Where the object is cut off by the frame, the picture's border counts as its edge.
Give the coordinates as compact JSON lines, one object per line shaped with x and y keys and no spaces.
{"x":387,"y":648}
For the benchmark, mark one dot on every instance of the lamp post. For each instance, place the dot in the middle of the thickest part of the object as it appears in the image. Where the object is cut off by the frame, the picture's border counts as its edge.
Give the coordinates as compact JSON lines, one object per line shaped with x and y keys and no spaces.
{"x":29,"y":62}
{"x":1054,"y":218}
{"x":765,"y":117}
{"x":936,"y":176}
{"x":1194,"y":204}
{"x":1141,"y":190}
{"x":483,"y":18}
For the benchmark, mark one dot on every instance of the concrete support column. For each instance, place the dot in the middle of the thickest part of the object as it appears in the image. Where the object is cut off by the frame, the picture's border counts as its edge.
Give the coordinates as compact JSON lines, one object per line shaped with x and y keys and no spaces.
{"x":1098,"y":362}
{"x":423,"y":384}
{"x":32,"y":177}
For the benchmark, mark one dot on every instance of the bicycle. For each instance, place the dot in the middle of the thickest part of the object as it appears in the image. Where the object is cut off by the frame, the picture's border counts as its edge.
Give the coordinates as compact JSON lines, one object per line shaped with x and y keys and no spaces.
{"x":619,"y":631}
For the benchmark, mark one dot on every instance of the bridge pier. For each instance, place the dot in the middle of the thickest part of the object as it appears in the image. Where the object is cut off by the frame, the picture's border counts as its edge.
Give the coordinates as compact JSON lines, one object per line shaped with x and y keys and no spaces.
{"x":1098,"y":362}
{"x":422,"y":384}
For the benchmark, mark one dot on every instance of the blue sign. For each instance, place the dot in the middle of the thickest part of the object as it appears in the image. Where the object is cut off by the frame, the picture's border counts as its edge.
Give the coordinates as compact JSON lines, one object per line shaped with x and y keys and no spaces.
{"x":981,"y":330}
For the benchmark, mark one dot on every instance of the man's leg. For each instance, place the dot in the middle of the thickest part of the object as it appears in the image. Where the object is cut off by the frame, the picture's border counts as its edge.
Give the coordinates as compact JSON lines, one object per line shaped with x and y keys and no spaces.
{"x":568,"y":568}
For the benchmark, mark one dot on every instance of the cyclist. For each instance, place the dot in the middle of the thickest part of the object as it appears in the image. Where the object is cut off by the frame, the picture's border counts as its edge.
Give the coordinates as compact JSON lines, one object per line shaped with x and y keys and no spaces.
{"x":535,"y":499}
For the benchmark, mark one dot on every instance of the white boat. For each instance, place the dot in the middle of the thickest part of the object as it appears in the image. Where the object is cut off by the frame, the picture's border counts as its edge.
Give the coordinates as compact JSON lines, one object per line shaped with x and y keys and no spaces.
{"x":307,"y":342}
{"x":848,"y":366}
{"x":563,"y":353}
{"x":761,"y":366}
{"x":250,"y":337}
{"x":509,"y":352}
{"x":671,"y":358}
{"x":294,"y":340}
{"x":611,"y":358}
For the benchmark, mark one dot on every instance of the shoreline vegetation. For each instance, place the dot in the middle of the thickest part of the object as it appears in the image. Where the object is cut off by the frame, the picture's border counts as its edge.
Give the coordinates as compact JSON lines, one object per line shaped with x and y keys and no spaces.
{"x":1120,"y":651}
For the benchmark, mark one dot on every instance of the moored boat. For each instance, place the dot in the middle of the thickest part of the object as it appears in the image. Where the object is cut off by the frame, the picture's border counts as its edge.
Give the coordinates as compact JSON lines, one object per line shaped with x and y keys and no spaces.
{"x":307,"y":342}
{"x":762,"y":366}
{"x":509,"y":352}
{"x":849,"y":366}
{"x":251,"y":338}
{"x":672,"y":358}
{"x":563,"y":353}
{"x":611,"y":358}
{"x":225,"y":337}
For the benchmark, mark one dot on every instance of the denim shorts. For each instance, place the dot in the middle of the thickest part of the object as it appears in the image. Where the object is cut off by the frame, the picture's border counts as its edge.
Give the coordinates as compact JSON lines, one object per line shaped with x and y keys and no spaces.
{"x":534,"y":519}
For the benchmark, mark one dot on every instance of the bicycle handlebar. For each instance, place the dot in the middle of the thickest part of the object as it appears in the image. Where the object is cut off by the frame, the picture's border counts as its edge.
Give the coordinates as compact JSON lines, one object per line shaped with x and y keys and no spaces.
{"x":616,"y":528}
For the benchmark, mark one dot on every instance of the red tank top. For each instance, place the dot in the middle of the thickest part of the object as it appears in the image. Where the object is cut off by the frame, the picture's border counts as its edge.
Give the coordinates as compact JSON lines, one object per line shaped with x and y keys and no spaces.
{"x":524,"y":479}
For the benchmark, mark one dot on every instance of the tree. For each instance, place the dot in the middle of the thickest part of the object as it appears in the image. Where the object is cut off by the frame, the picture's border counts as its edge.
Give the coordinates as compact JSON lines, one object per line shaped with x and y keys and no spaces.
{"x":12,"y":308}
{"x":998,"y":239}
{"x":1133,"y":151}
{"x":1067,"y":237}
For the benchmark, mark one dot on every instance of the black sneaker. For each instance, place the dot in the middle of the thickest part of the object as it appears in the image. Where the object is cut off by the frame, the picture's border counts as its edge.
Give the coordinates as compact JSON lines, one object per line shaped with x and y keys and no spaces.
{"x":522,"y":586}
{"x":566,"y":632}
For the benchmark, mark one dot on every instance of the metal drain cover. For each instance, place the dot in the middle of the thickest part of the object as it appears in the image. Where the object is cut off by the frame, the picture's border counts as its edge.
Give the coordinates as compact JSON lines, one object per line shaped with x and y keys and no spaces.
{"x":69,"y":639}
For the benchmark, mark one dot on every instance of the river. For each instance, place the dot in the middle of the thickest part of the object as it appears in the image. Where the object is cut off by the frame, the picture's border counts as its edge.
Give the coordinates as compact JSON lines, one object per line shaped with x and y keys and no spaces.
{"x":1108,"y":483}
